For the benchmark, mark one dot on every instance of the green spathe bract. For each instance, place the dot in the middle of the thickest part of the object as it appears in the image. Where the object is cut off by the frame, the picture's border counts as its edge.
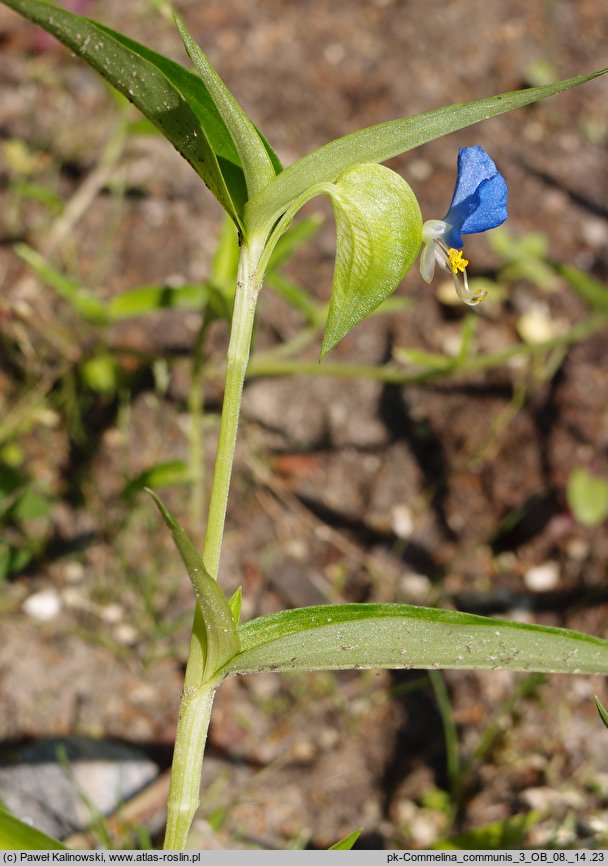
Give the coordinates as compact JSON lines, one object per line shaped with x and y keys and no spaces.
{"x":378,"y":236}
{"x":379,"y":228}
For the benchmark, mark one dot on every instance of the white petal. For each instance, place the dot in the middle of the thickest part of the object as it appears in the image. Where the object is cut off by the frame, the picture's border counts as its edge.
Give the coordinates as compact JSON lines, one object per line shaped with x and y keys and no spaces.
{"x":441,"y":255}
{"x":434,"y":229}
{"x":427,"y":261}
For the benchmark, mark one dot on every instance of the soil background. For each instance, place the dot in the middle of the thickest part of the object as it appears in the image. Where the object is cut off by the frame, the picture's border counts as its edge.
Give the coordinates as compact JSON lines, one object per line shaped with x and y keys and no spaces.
{"x":450,"y":493}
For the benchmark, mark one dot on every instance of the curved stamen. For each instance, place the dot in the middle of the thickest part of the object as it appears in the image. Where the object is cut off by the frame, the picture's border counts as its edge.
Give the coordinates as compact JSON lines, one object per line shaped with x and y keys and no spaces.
{"x":467,"y":295}
{"x":452,"y":260}
{"x":435,"y":250}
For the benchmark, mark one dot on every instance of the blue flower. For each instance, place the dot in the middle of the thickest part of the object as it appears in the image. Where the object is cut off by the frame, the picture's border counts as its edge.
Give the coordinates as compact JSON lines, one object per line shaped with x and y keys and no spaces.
{"x":479,"y":203}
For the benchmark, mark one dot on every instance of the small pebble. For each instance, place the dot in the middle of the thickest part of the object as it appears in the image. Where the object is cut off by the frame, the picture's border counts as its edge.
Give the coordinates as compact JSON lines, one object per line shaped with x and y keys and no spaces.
{"x":578,"y":549}
{"x":73,"y":572}
{"x":536,"y":326}
{"x":542,"y":578}
{"x":402,"y":521}
{"x":44,"y":605}
{"x":415,"y":587}
{"x":126,"y":634}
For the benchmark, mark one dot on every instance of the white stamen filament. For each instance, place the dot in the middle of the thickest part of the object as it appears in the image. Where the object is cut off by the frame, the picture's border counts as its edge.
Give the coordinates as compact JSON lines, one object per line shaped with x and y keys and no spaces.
{"x":434,"y":251}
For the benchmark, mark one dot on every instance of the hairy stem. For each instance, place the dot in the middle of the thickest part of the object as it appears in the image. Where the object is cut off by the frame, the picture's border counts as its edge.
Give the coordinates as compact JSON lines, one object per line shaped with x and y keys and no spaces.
{"x":194,"y":716}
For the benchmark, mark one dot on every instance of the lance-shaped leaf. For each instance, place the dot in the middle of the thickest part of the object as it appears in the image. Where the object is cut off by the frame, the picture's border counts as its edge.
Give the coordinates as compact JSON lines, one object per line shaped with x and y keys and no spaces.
{"x":378,"y":228}
{"x":332,"y":637}
{"x":173,"y":99}
{"x":221,"y":638}
{"x":257,"y":165}
{"x":383,"y":141}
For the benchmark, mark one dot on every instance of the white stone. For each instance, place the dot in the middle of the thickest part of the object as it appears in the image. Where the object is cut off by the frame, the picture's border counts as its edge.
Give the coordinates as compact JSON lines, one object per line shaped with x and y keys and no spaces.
{"x":415,"y":587}
{"x":401,"y":521}
{"x":44,"y":605}
{"x":542,"y":578}
{"x":58,"y":799}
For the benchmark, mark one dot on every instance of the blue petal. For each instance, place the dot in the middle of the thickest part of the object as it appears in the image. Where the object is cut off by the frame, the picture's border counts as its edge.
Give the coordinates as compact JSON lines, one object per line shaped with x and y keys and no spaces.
{"x":479,"y":202}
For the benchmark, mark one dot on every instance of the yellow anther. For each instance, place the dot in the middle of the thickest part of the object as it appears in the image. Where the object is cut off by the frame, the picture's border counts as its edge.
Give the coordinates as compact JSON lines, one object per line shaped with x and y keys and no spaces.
{"x":457,"y":263}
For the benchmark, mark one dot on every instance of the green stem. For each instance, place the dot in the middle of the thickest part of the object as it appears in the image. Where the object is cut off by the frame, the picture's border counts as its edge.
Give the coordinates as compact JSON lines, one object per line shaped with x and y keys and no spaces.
{"x":190,"y":739}
{"x":195,"y":435}
{"x":197,"y":697}
{"x":237,"y":359}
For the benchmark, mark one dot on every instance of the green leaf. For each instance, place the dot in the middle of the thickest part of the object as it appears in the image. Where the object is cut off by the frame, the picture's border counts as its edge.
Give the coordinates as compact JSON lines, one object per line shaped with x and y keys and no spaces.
{"x":587,"y":497}
{"x":257,"y":165}
{"x":385,"y":140}
{"x":194,"y":92}
{"x":28,"y":506}
{"x":425,"y":360}
{"x":13,"y":559}
{"x":101,"y":374}
{"x":602,"y":711}
{"x":16,"y":835}
{"x":298,"y":298}
{"x":38,"y":192}
{"x":80,"y":299}
{"x":133,"y":302}
{"x":222,"y":640}
{"x":532,"y":245}
{"x":498,"y":835}
{"x":160,"y":89}
{"x":589,"y":289}
{"x":147,"y":299}
{"x":347,"y":842}
{"x":162,"y":475}
{"x":335,"y":637}
{"x":234,"y":603}
{"x":379,"y":230}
